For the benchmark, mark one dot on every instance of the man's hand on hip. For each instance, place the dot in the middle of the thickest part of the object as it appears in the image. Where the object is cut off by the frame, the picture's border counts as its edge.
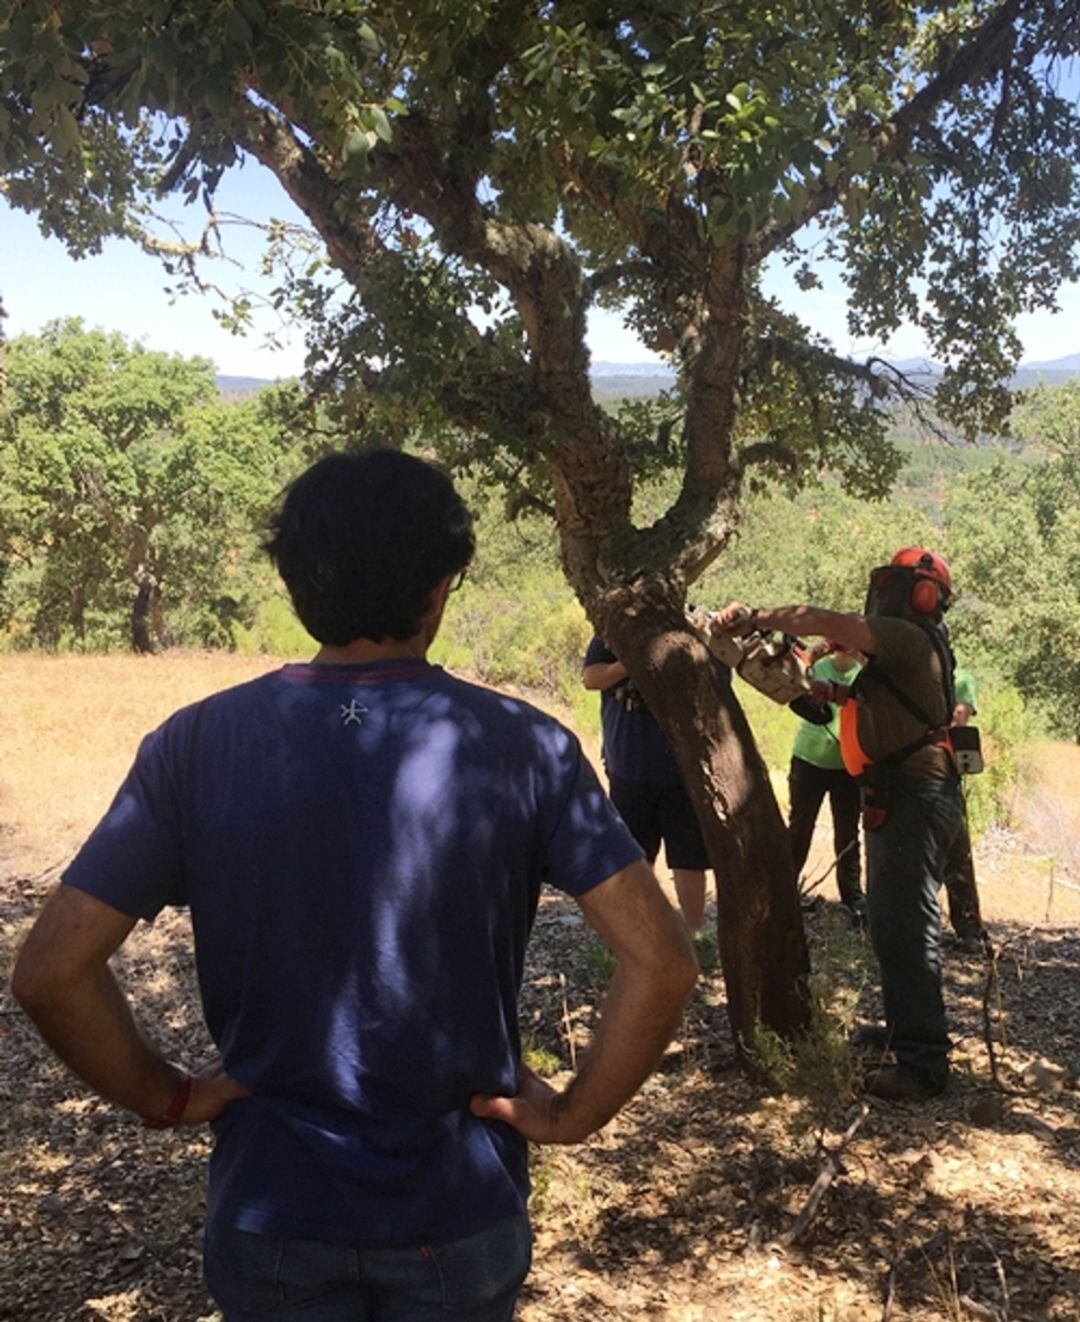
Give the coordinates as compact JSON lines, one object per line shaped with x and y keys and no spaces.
{"x":533,"y":1110}
{"x":211,"y":1092}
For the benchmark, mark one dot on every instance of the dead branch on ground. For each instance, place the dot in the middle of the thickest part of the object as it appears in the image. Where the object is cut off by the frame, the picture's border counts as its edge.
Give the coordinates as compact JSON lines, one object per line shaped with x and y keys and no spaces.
{"x":830,"y":1169}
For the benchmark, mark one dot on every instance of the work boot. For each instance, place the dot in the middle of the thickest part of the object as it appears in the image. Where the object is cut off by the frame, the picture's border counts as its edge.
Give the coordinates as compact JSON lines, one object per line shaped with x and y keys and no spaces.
{"x":856,"y":911}
{"x":969,"y":940}
{"x":893,"y":1083}
{"x":871,"y":1038}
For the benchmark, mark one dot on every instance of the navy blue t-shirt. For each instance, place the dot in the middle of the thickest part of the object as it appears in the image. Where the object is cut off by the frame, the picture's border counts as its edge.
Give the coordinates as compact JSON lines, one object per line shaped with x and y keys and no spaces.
{"x":362,"y":849}
{"x":634,"y":746}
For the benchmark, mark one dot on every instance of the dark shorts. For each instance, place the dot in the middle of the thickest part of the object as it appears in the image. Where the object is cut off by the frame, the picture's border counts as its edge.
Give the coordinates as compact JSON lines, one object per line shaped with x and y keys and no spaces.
{"x":656,"y":813}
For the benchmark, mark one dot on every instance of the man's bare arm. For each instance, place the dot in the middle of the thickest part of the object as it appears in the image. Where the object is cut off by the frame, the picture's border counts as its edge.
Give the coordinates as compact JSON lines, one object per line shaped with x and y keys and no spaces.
{"x":603,"y":674}
{"x":63,"y":981}
{"x":655,"y":973}
{"x":802,"y":621}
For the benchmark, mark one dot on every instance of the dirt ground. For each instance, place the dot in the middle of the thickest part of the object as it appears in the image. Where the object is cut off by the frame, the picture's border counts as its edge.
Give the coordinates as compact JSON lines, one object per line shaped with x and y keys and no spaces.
{"x":966,"y":1207}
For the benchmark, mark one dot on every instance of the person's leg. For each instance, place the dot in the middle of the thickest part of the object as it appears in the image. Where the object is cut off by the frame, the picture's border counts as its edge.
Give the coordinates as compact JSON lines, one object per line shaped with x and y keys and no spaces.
{"x":904,"y":858}
{"x":690,"y":892}
{"x":264,"y":1278}
{"x":964,"y":911}
{"x":638,"y":804}
{"x":684,"y":848}
{"x":844,"y":804}
{"x":806,"y":789}
{"x":476,"y":1279}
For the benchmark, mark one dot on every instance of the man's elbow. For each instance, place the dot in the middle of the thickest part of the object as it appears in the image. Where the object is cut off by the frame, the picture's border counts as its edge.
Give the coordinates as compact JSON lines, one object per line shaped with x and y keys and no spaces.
{"x":675,"y":976}
{"x":27,"y":987}
{"x":36,"y":986}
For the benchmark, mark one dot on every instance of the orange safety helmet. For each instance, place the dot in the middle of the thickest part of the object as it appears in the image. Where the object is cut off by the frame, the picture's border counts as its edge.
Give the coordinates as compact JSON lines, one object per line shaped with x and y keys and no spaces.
{"x":933,"y":582}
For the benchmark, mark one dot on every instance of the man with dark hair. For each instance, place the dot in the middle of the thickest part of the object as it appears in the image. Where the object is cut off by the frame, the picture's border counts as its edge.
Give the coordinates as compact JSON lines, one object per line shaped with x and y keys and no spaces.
{"x":894,"y":734}
{"x":361,"y":841}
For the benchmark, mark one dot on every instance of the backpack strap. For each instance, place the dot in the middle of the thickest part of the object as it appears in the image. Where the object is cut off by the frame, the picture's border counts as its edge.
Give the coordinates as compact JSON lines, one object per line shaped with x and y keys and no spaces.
{"x":935,"y":731}
{"x":878,"y":672}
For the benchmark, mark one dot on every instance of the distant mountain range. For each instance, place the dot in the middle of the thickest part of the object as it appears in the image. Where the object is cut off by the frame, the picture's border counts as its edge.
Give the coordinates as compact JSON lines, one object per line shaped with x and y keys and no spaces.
{"x":1067,"y":367}
{"x":637,"y":380}
{"x":241,"y":385}
{"x":1070,"y":363}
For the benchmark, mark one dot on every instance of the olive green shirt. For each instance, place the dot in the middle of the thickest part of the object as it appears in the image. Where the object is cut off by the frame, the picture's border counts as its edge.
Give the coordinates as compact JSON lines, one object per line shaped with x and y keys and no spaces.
{"x":911,"y":661}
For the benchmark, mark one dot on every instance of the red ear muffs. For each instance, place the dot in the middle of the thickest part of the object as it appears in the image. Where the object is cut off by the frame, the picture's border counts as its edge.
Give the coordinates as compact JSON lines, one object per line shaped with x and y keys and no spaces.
{"x":925,"y":596}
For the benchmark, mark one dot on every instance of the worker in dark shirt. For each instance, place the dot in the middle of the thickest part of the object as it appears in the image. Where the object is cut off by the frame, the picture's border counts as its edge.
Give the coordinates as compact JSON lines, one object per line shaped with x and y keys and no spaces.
{"x":645,"y":783}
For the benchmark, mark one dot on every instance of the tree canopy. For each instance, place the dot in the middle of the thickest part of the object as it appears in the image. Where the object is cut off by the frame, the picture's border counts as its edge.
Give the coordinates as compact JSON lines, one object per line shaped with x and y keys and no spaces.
{"x":1014,"y":532}
{"x":125,"y":489}
{"x":480,"y":174}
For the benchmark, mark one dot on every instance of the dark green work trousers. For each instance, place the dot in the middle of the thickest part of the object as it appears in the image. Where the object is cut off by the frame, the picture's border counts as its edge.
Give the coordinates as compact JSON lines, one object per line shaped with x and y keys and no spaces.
{"x":965,"y":913}
{"x":905,"y":860}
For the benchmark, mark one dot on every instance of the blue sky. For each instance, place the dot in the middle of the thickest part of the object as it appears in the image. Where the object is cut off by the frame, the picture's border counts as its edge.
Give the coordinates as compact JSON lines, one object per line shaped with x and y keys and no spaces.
{"x":123,"y":289}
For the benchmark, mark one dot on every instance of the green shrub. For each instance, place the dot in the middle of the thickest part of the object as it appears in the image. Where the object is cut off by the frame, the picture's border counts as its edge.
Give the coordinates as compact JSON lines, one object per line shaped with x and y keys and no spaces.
{"x":530,"y":632}
{"x":598,"y":962}
{"x":819,"y":1064}
{"x":274,"y":631}
{"x":1006,"y":725}
{"x":539,"y":1059}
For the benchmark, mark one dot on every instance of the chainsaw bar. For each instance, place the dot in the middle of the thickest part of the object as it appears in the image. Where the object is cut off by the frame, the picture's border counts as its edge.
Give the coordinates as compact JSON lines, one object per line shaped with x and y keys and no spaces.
{"x":775,"y":666}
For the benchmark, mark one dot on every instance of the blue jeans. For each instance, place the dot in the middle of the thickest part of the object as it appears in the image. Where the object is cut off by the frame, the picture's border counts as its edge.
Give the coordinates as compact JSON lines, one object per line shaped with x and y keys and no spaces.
{"x":270,"y":1279}
{"x":905,"y":866}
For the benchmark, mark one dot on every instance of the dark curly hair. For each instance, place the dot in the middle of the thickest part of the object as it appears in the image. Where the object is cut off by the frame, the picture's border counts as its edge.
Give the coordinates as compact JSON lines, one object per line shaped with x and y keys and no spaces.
{"x":361,"y":539}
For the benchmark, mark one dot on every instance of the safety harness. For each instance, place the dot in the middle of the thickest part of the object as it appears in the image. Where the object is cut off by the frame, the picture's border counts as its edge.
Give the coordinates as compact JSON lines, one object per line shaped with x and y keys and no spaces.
{"x":936,"y":734}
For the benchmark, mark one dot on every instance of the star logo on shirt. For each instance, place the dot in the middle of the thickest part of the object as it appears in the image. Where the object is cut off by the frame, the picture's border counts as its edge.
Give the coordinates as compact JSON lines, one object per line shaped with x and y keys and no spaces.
{"x":353,"y":714}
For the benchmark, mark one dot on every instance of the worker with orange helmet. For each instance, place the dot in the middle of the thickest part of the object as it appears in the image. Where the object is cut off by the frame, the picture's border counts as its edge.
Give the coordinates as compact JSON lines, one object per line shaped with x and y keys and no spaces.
{"x":894,"y":724}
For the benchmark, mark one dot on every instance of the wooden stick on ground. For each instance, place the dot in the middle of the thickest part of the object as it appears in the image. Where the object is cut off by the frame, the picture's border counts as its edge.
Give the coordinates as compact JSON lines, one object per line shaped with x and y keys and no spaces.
{"x":830,"y":1168}
{"x":990,"y":986}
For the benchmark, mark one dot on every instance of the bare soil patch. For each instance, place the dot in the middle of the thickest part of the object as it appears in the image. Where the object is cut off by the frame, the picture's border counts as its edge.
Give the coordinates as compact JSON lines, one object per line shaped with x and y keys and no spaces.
{"x":966,"y":1207}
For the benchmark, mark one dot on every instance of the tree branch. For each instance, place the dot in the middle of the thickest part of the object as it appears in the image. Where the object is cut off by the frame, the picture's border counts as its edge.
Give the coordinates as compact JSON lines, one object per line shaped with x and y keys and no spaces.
{"x":271,"y":140}
{"x":831,"y":1167}
{"x":611,"y":275}
{"x":971,"y":61}
{"x":763,"y":452}
{"x":889,"y":380}
{"x":544,"y":279}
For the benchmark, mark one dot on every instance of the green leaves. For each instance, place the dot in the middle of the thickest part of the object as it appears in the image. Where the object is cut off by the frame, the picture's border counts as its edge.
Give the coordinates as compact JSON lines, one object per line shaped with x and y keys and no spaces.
{"x":666,"y":143}
{"x":1019,"y":609}
{"x":122,"y":462}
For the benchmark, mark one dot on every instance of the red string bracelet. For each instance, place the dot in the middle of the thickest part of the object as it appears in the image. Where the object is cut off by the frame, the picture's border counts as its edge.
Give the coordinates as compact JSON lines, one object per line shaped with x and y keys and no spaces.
{"x":170,"y":1118}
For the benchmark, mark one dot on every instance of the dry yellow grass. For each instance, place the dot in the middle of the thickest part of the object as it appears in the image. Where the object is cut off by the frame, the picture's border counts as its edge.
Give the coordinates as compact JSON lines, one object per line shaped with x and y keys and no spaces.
{"x":71,"y":726}
{"x":70,"y":729}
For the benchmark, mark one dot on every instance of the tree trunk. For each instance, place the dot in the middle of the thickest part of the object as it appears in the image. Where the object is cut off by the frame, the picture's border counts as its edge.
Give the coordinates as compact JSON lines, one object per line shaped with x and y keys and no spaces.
{"x":141,"y":609}
{"x":759,"y":922}
{"x":77,"y":613}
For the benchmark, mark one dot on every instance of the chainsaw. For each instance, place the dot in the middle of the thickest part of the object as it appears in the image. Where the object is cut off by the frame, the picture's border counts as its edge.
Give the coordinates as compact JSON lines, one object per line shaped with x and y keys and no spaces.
{"x":777,"y":666}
